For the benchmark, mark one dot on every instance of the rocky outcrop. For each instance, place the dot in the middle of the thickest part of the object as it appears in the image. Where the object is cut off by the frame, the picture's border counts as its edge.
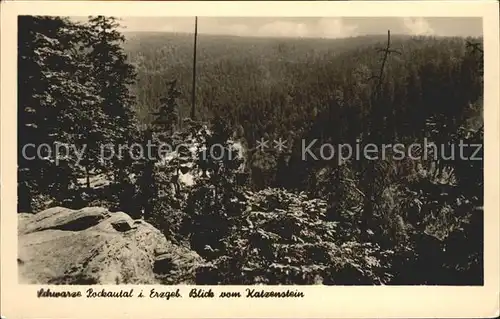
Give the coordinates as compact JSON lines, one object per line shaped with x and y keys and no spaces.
{"x":95,"y":246}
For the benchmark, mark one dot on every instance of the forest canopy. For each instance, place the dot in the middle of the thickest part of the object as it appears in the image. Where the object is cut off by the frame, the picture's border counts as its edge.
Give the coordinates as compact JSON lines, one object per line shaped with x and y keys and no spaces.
{"x":264,"y":216}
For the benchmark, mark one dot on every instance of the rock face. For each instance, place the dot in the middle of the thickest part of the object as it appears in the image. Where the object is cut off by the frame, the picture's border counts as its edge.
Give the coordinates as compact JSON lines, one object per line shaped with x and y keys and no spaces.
{"x":95,"y":246}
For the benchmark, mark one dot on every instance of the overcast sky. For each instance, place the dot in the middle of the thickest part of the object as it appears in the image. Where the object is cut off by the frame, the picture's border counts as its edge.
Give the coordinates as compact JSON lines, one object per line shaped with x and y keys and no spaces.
{"x":308,"y":27}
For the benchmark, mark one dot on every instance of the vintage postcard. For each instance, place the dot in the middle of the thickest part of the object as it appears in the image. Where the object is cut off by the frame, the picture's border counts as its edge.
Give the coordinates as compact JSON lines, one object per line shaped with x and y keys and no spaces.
{"x":249,"y":159}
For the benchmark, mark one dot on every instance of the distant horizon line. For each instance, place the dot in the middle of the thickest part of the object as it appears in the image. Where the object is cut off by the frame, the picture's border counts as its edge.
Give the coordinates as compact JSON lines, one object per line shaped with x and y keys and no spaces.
{"x":304,"y":37}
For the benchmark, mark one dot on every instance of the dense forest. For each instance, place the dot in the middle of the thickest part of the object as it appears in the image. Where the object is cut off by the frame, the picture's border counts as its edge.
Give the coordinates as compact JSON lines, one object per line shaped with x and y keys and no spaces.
{"x":264,"y":216}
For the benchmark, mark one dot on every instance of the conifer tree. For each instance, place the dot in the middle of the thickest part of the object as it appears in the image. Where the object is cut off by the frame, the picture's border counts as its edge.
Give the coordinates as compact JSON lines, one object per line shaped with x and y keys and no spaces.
{"x":113,"y":75}
{"x":167,"y":115}
{"x":52,"y":103}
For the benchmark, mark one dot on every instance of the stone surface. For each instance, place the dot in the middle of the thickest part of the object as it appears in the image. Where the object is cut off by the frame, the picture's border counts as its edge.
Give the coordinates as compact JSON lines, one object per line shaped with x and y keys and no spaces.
{"x":95,"y":246}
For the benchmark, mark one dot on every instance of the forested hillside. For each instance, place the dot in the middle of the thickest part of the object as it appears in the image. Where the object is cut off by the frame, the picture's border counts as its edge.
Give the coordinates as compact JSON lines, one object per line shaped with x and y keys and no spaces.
{"x":265,"y":216}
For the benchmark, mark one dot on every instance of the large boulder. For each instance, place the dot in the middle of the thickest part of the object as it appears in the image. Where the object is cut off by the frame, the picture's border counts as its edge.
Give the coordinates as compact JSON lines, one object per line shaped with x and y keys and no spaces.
{"x":95,"y":246}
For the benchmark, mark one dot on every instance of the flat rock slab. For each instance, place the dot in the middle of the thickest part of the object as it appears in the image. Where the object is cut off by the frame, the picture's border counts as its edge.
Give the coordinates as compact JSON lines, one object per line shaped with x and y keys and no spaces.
{"x":95,"y":246}
{"x":63,"y":219}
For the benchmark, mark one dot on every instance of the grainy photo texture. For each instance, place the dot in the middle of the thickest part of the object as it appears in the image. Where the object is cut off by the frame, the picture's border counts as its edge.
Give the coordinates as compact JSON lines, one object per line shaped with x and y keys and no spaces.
{"x":244,"y":151}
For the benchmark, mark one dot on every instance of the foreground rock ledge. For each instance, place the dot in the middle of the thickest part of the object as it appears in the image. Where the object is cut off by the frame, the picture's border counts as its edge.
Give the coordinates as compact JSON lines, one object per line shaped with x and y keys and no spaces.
{"x":95,"y":246}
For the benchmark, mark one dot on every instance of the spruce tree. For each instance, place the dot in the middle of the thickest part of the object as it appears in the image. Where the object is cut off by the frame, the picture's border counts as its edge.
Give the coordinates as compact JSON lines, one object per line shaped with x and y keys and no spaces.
{"x":113,"y":75}
{"x":167,"y":115}
{"x":52,"y":104}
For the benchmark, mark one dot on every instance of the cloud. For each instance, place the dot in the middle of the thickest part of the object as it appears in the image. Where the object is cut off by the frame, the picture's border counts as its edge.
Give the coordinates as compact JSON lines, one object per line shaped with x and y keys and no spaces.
{"x":283,"y":29}
{"x":239,"y":29}
{"x":326,"y":27}
{"x":418,"y":26}
{"x":334,"y":28}
{"x":323,"y":28}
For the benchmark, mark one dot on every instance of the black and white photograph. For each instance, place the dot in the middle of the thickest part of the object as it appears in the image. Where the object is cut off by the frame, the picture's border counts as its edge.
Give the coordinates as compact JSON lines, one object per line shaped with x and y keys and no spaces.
{"x":250,"y":151}
{"x":303,"y":159}
{"x":298,"y":160}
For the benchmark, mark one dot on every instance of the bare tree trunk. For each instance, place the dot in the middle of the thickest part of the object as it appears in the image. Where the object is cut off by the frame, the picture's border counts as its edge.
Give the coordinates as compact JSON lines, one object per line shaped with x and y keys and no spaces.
{"x":87,"y":175}
{"x":193,"y":89}
{"x":375,"y":127}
